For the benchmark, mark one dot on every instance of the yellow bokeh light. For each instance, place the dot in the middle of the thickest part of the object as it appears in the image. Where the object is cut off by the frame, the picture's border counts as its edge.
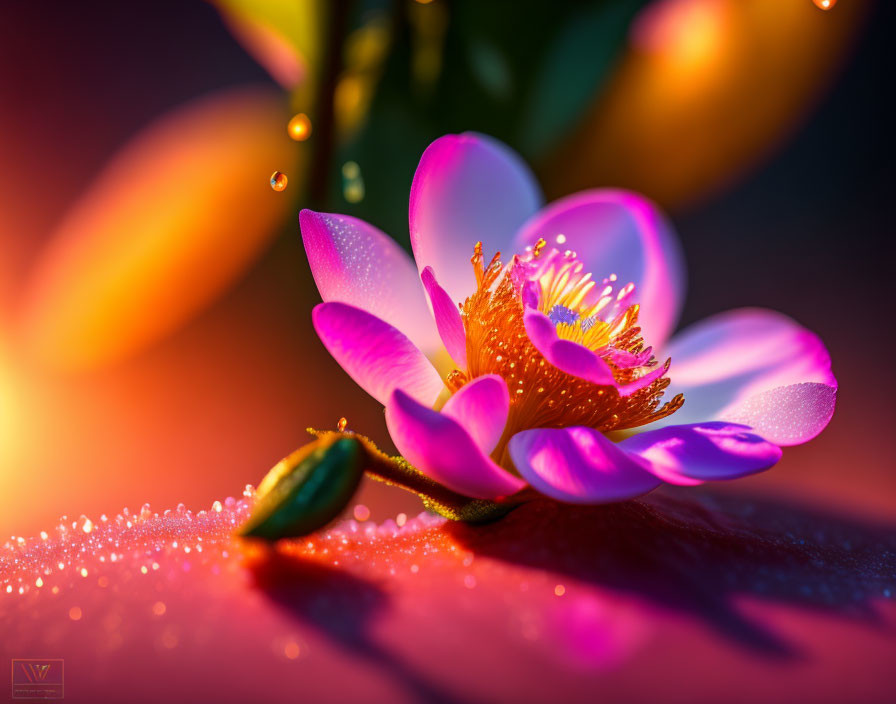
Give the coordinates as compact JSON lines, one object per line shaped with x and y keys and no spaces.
{"x":299,"y":127}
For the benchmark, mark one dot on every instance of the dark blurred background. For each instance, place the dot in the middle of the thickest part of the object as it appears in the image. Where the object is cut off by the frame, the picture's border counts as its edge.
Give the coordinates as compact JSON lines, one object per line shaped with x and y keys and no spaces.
{"x":781,"y":192}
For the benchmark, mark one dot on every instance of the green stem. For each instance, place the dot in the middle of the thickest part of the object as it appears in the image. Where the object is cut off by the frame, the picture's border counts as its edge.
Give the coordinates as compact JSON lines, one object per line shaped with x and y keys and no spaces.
{"x":396,"y":471}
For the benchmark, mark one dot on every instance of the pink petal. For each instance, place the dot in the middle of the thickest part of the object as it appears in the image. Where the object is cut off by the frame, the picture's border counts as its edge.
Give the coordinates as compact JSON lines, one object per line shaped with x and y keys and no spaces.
{"x":468,"y":188}
{"x":448,"y":319}
{"x":622,"y":233}
{"x":565,"y":355}
{"x":579,"y":465}
{"x":376,"y":355}
{"x":691,"y":454}
{"x":786,"y":415}
{"x":439,"y":446}
{"x":728,"y":366}
{"x":355,"y":263}
{"x":481,"y":407}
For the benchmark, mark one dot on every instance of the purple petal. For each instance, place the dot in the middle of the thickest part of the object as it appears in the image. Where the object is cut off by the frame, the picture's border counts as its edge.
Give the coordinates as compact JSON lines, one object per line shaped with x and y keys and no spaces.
{"x":757,"y":367}
{"x":355,"y":263}
{"x":448,"y":319}
{"x":377,"y":356}
{"x":438,"y":445}
{"x":565,"y":355}
{"x":622,"y":233}
{"x":690,"y":454}
{"x":579,"y":465}
{"x":481,"y":407}
{"x":468,"y":188}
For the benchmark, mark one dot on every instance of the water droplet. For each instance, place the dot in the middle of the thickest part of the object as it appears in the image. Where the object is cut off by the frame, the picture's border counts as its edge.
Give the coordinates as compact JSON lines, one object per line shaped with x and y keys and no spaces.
{"x":278,"y":181}
{"x":361,"y":512}
{"x":561,"y":239}
{"x":299,"y":127}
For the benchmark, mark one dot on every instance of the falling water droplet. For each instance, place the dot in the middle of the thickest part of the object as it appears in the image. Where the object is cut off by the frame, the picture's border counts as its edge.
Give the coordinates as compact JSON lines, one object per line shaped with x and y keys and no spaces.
{"x":299,"y":127}
{"x":824,"y":4}
{"x":278,"y":180}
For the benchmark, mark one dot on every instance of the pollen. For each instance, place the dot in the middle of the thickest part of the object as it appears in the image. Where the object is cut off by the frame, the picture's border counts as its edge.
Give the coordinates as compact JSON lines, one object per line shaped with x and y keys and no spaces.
{"x":591,"y":314}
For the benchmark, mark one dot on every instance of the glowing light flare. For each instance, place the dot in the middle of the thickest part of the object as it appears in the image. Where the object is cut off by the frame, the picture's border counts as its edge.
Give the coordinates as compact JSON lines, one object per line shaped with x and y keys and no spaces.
{"x":687,"y":36}
{"x":824,"y":4}
{"x":299,"y":127}
{"x":174,"y":218}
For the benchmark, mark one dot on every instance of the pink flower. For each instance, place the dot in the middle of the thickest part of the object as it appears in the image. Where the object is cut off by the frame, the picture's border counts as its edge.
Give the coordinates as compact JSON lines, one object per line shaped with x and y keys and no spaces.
{"x":546,"y":373}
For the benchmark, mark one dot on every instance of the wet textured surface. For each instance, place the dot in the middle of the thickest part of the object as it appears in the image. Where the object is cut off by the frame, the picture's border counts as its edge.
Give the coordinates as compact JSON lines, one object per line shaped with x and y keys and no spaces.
{"x":707,"y":598}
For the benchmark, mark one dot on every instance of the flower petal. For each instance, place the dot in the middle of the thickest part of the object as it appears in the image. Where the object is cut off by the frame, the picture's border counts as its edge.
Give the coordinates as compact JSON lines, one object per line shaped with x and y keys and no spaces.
{"x":448,"y":319}
{"x":468,"y":188}
{"x":481,"y":407}
{"x":579,"y":465}
{"x":356,"y":263}
{"x":377,"y":356}
{"x":439,"y":446}
{"x":622,"y":233}
{"x":786,"y":415}
{"x":691,"y":454}
{"x":736,"y":366}
{"x":565,"y":355}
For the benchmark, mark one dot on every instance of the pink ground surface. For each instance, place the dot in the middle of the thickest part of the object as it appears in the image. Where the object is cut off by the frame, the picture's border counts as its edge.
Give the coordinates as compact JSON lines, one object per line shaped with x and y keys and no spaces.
{"x":681,"y":597}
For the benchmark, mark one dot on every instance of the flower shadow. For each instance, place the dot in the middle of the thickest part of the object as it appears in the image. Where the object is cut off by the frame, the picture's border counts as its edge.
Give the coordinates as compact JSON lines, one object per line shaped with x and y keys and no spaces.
{"x":696,"y":555}
{"x":338,"y":605}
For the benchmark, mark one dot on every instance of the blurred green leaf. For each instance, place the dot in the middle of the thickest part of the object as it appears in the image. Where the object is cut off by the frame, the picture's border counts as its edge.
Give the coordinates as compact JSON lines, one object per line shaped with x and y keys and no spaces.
{"x":523,"y":72}
{"x":578,"y":60}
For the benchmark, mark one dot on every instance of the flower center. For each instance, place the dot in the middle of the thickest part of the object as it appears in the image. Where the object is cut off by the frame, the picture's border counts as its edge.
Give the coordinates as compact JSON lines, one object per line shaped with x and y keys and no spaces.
{"x":595,"y":316}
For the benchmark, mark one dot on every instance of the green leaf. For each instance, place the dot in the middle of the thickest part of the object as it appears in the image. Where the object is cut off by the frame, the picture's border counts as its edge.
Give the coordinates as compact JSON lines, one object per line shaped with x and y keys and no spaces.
{"x":307,"y":489}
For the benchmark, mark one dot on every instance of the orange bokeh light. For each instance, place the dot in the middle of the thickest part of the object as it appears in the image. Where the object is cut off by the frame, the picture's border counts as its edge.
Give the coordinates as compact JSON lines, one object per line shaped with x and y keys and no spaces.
{"x":299,"y":127}
{"x":175,"y":217}
{"x":706,"y":89}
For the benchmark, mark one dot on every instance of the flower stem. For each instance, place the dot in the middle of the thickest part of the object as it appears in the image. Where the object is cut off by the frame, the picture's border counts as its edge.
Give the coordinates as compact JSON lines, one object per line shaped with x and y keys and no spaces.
{"x":396,"y":471}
